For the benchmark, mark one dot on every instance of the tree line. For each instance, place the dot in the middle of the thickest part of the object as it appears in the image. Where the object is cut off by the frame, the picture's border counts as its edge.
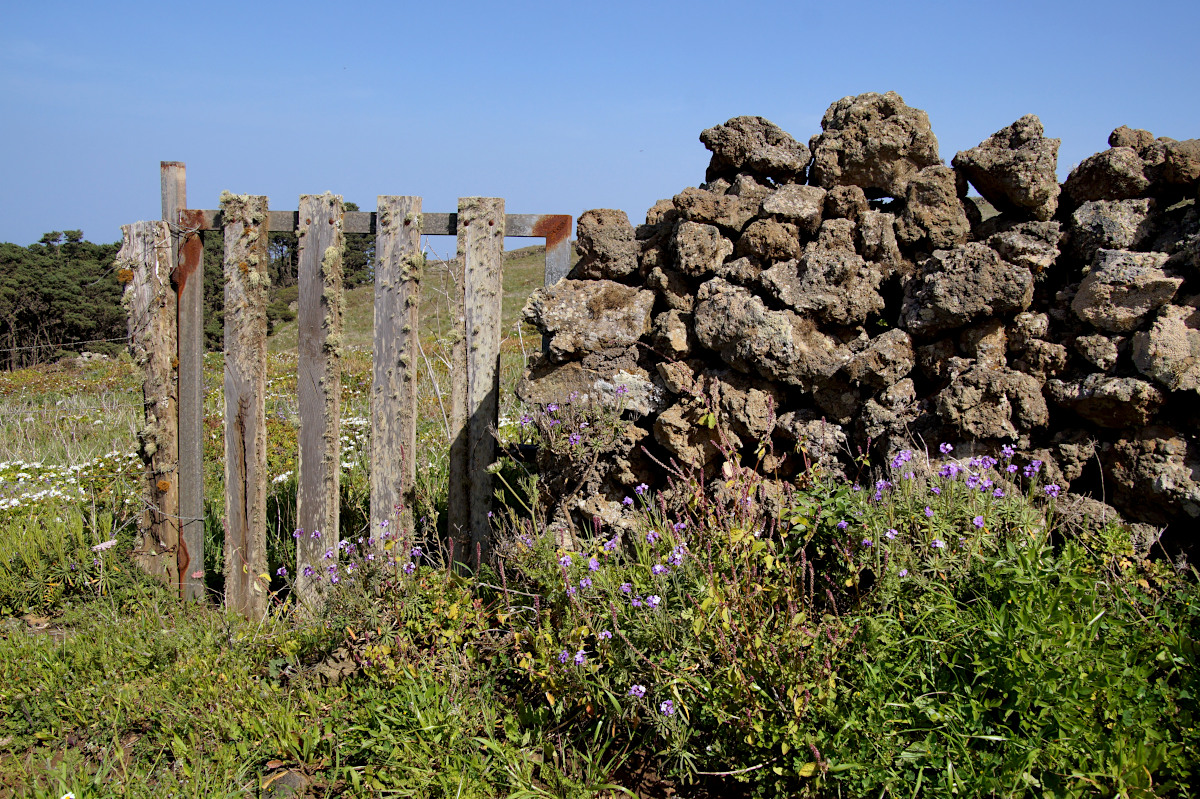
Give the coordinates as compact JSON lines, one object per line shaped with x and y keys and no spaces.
{"x":62,"y":295}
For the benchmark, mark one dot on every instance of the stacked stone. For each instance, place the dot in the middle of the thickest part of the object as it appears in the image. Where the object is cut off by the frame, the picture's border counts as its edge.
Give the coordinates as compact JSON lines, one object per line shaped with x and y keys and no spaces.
{"x":849,"y":296}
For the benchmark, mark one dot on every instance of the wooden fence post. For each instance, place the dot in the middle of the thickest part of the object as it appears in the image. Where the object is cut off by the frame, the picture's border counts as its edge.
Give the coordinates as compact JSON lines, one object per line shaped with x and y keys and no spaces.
{"x":189,"y":283}
{"x":247,"y":582}
{"x":398,"y":266}
{"x":319,"y":390}
{"x":144,"y":264}
{"x":476,"y":400}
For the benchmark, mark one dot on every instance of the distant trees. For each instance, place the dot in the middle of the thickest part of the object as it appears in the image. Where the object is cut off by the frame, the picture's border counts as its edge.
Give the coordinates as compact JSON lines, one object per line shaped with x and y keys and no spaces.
{"x":54,"y":295}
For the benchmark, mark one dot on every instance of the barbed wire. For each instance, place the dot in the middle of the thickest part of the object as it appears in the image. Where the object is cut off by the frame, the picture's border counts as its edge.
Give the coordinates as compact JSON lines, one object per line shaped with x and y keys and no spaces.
{"x":63,"y":345}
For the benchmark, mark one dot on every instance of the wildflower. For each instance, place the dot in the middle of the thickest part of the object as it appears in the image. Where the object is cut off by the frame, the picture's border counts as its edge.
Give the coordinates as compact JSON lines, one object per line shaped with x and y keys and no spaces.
{"x":297,"y":533}
{"x":580,"y":658}
{"x":637,"y":691}
{"x":627,"y":501}
{"x":605,"y":635}
{"x":526,"y":420}
{"x":998,"y":493}
{"x":1011,"y":468}
{"x":904,"y":572}
{"x":334,"y":579}
{"x":315,"y":535}
{"x":621,"y":389}
{"x":565,"y":561}
{"x":978,"y":522}
{"x":973,"y":481}
{"x":103,"y":545}
{"x":653,"y":601}
{"x":571,"y":590}
{"x":985,"y":484}
{"x":1033,"y":468}
{"x":586,"y":582}
{"x":903,"y":457}
{"x":909,"y":475}
{"x":410,"y":567}
{"x":333,"y":569}
{"x":667,"y":708}
{"x":415,"y":553}
{"x":593,"y":565}
{"x":574,"y":439}
{"x":928,"y":512}
{"x":611,"y":544}
{"x":308,"y":571}
{"x":939,"y":543}
{"x":552,"y":408}
{"x":626,"y":588}
{"x":658,"y":569}
{"x":281,"y":571}
{"x":866,"y":542}
{"x":641,"y":489}
{"x":676,"y":556}
{"x":988,"y":462}
{"x":935,"y":490}
{"x":564,"y":656}
{"x":857,"y":488}
{"x":526,"y":540}
{"x":1052,"y":490}
{"x":1007,"y":451}
{"x":328,"y":554}
{"x":370,"y":556}
{"x":891,"y":533}
{"x":842,"y":525}
{"x":680,"y":526}
{"x":653,"y":536}
{"x":946,"y":448}
{"x":636,"y":601}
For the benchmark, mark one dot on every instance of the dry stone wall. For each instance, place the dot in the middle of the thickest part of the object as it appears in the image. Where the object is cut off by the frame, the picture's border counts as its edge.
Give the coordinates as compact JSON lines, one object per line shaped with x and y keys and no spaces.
{"x":849,"y":296}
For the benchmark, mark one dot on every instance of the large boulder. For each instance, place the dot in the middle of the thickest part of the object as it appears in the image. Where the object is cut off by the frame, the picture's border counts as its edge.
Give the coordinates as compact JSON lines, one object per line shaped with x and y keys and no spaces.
{"x":777,"y":345}
{"x":1169,"y":352}
{"x":1033,"y":245}
{"x":1114,"y":174}
{"x":1015,"y":169}
{"x":1109,"y":225}
{"x":728,"y":211}
{"x":699,"y":249}
{"x":587,"y":315}
{"x":800,"y":205}
{"x":606,"y":245}
{"x":873,"y":141}
{"x":1107,"y":401}
{"x":769,"y":240}
{"x":991,"y":403}
{"x":933,"y":216}
{"x":633,"y":390}
{"x":954,"y":287}
{"x":1123,"y":288}
{"x":757,"y":145}
{"x":1154,"y":474}
{"x":833,"y":284}
{"x":887,"y":359}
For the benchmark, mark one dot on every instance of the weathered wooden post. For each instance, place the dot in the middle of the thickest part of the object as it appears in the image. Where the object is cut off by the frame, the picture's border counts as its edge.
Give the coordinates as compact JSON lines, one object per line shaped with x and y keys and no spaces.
{"x":189,"y":286}
{"x":398,"y":266}
{"x":319,"y":389}
{"x":476,"y":382}
{"x":247,"y":582}
{"x":144,"y":265}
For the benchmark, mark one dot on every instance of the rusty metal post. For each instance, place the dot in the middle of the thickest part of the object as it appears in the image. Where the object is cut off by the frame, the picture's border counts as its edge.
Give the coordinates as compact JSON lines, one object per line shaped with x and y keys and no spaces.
{"x":189,"y":287}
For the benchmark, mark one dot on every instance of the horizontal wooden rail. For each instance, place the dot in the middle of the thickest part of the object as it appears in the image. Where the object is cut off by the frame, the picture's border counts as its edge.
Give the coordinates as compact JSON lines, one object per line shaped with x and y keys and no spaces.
{"x":547,"y":226}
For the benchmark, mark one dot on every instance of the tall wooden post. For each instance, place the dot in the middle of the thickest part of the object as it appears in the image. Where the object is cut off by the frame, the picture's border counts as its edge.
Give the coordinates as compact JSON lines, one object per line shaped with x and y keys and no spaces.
{"x":144,"y":265}
{"x":319,"y":390}
{"x":398,"y":266}
{"x":247,"y":582}
{"x":189,"y":284}
{"x":476,"y":391}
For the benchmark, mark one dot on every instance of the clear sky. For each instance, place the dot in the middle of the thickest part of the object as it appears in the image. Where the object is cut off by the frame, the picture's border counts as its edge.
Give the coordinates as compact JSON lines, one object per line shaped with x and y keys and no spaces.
{"x":557,"y":107}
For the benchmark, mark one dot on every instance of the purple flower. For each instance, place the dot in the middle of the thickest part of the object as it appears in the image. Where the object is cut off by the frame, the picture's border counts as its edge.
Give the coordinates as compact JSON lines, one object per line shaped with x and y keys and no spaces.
{"x":281,"y":572}
{"x":586,"y":582}
{"x":315,"y":534}
{"x":580,"y":658}
{"x":653,"y":601}
{"x":658,"y":569}
{"x":857,"y":488}
{"x":627,"y":501}
{"x":328,"y":554}
{"x":626,"y":588}
{"x":574,"y":439}
{"x":935,"y":490}
{"x":652,"y":536}
{"x":946,"y":448}
{"x":680,"y":526}
{"x":641,"y":489}
{"x":973,"y":481}
{"x":1007,"y":451}
{"x":939,"y":543}
{"x":904,"y":572}
{"x":308,"y":571}
{"x":526,"y":420}
{"x":410,"y":567}
{"x":978,"y":521}
{"x":637,"y":691}
{"x":593,"y":565}
{"x":621,"y":389}
{"x":552,"y":407}
{"x":928,"y":512}
{"x":842,"y":525}
{"x":605,"y":635}
{"x":565,"y":561}
{"x":1033,"y":468}
{"x":1052,"y":490}
{"x":415,"y":553}
{"x":370,"y":556}
{"x":334,"y":579}
{"x":891,"y":533}
{"x":297,"y":533}
{"x":1011,"y":468}
{"x":571,"y":590}
{"x":611,"y":544}
{"x":882,"y":485}
{"x":866,"y":542}
{"x":667,"y":708}
{"x":676,"y":557}
{"x":998,"y":493}
{"x":909,"y":475}
{"x":564,"y":656}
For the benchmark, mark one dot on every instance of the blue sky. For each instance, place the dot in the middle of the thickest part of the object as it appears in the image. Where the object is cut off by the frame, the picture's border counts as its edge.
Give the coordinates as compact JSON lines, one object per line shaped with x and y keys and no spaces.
{"x":557,"y":107}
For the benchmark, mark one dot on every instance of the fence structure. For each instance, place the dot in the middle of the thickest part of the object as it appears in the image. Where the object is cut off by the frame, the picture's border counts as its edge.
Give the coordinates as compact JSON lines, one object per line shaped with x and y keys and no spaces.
{"x":164,"y":299}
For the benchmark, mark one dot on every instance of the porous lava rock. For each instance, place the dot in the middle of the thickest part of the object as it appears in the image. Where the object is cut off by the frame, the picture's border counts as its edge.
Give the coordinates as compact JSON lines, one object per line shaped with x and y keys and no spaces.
{"x":1014,"y":169}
